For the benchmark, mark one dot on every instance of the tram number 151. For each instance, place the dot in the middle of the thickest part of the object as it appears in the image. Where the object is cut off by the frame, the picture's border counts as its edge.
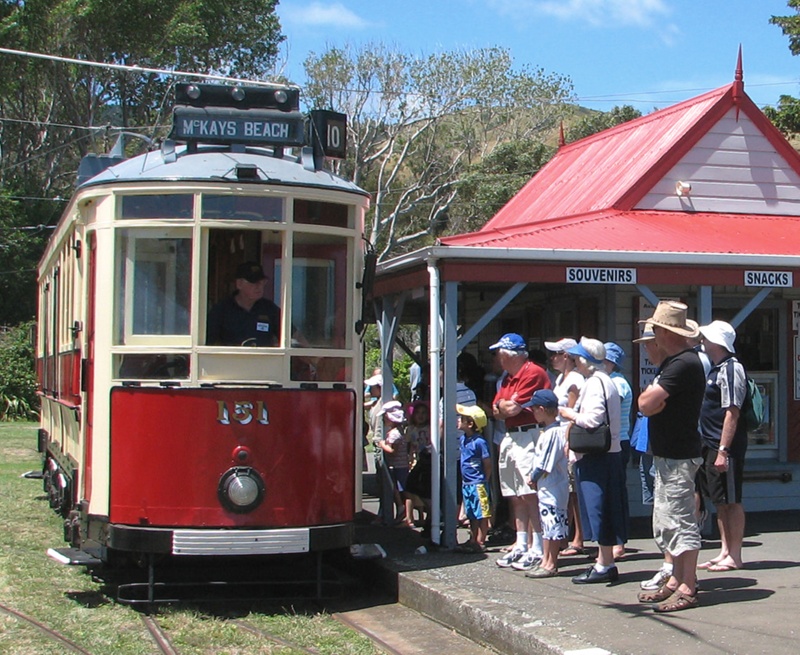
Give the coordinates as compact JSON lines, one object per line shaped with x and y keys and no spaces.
{"x":243,"y":412}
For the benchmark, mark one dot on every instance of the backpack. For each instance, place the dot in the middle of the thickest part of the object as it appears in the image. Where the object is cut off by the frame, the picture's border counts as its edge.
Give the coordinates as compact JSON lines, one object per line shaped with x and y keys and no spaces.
{"x":753,"y":408}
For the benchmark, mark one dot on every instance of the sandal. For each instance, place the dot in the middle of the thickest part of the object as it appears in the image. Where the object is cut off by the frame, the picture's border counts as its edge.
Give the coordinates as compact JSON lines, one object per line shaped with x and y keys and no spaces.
{"x":573,"y":550}
{"x":656,"y":596}
{"x":676,"y":603}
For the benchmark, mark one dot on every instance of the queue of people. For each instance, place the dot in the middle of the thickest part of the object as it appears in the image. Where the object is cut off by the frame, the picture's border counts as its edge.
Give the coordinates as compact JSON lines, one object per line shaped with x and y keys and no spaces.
{"x":689,"y":437}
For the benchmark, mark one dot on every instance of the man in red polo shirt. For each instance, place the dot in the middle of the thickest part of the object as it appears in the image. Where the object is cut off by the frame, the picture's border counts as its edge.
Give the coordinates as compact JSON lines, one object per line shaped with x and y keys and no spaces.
{"x":515,"y":464}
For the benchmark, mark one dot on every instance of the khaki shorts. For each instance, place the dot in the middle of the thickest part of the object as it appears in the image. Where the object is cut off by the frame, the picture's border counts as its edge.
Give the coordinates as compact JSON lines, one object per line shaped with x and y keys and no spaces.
{"x":515,"y":463}
{"x":674,"y":522}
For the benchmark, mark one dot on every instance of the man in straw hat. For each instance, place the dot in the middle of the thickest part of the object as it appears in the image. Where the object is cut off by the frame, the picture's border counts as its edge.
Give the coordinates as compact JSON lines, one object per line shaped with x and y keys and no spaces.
{"x":672,"y":404}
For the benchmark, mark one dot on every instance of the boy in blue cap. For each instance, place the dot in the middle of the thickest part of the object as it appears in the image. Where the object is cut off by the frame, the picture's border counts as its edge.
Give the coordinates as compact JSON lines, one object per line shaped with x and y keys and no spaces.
{"x":551,"y":479}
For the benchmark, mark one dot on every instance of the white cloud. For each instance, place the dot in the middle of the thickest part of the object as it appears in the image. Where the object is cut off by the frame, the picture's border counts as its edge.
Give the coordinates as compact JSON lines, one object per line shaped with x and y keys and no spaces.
{"x":601,"y":13}
{"x":323,"y":14}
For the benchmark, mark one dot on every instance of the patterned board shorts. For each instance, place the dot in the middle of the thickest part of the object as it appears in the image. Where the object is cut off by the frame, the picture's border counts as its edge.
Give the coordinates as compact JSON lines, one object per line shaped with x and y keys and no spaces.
{"x":477,"y":501}
{"x":555,"y":525}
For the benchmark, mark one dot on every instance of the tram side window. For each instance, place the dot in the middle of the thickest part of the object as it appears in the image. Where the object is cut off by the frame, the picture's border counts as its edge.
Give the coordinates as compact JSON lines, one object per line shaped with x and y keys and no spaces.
{"x":250,"y":208}
{"x":312,"y":212}
{"x":153,"y":283}
{"x":157,"y":206}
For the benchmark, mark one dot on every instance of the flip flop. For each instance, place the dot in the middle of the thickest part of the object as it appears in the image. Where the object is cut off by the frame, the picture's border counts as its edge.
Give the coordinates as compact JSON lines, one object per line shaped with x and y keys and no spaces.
{"x":573,"y":550}
{"x":721,"y":568}
{"x":676,"y":603}
{"x":706,"y":565}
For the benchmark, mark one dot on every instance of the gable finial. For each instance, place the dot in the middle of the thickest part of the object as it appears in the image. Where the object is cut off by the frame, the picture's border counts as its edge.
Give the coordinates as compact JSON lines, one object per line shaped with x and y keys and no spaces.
{"x":738,"y":83}
{"x":561,"y":140}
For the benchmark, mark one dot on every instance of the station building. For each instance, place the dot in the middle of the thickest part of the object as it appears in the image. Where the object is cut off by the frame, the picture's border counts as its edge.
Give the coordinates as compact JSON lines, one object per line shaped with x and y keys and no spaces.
{"x":698,"y":202}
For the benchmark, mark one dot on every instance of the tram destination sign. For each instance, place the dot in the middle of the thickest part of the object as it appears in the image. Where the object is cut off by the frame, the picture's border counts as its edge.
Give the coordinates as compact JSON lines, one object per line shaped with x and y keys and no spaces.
{"x":253,"y":126}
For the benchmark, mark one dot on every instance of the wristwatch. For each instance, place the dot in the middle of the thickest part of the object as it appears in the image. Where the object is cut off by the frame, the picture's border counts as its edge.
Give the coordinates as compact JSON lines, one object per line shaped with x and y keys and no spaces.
{"x":723,"y":449}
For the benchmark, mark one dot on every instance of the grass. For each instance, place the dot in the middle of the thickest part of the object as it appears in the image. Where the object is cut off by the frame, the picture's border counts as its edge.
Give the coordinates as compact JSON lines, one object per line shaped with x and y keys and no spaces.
{"x":67,"y":600}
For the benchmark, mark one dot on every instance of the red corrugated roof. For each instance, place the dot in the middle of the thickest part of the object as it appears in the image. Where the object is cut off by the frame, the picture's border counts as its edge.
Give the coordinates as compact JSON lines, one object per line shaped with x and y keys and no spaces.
{"x":584,"y":197}
{"x":649,"y":231}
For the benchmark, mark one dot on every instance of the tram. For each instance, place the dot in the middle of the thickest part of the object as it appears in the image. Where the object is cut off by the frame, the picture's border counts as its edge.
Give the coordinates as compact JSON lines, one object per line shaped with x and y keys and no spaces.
{"x":157,"y":439}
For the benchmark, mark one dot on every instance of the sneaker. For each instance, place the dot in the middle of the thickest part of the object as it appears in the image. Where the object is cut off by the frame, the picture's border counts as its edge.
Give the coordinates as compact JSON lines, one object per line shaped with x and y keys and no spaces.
{"x":658,"y":580}
{"x":527,"y":562}
{"x":510,"y":557}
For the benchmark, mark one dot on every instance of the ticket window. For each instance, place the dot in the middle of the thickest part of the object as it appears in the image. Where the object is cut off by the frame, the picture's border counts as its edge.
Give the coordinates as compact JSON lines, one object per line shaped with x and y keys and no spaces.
{"x":757,"y":339}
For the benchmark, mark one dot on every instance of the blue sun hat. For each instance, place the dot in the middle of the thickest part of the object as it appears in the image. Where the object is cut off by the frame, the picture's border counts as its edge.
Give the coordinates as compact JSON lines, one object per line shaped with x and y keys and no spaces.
{"x":614,"y":354}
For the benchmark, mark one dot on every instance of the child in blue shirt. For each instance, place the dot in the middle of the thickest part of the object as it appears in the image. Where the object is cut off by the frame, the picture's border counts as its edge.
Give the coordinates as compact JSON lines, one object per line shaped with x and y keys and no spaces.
{"x":476,"y":469}
{"x":551,"y":479}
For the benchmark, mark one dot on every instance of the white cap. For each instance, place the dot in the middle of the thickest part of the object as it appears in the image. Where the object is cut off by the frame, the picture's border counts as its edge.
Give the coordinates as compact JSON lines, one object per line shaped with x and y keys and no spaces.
{"x":720,"y":333}
{"x":374,"y":381}
{"x":560,"y":346}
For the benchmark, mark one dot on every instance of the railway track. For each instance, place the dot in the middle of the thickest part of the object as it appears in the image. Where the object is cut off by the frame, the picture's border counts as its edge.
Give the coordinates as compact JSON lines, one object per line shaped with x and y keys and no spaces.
{"x":160,"y":637}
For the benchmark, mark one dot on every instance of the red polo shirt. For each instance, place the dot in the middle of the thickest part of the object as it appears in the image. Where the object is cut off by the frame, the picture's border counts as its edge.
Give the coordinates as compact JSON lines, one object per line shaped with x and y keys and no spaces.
{"x":520,"y":388}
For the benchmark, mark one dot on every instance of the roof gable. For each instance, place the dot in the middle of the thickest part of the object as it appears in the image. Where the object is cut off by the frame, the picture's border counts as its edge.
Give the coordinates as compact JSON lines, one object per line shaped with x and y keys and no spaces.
{"x":719,"y":142}
{"x":733,"y":168}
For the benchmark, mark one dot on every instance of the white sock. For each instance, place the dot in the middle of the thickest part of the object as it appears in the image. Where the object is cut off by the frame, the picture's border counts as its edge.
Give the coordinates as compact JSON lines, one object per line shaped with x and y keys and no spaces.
{"x":536,"y":546}
{"x":600,"y":568}
{"x":666,"y":566}
{"x":522,"y":541}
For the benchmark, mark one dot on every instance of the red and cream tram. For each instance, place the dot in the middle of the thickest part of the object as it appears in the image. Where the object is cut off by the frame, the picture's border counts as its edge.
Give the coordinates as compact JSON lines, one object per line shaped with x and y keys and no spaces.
{"x":156,"y":441}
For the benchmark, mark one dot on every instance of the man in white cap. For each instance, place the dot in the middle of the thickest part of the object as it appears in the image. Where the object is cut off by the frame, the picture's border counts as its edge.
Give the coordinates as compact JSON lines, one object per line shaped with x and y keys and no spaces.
{"x":672,"y":404}
{"x":724,"y":436}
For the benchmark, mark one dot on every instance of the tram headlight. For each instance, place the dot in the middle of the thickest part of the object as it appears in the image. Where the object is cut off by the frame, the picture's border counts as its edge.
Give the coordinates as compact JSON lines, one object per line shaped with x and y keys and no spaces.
{"x":241,"y":489}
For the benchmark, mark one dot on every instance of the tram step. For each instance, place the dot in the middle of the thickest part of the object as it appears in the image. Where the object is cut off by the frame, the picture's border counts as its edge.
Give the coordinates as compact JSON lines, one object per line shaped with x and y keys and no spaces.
{"x":73,"y":557}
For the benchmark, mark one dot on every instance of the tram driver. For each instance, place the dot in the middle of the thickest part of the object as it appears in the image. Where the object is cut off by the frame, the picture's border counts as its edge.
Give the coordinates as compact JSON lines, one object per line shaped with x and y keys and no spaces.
{"x":245,"y":318}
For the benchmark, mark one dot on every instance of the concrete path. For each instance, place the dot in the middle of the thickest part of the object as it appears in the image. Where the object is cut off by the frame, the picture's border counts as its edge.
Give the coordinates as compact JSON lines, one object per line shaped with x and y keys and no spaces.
{"x":750,"y":611}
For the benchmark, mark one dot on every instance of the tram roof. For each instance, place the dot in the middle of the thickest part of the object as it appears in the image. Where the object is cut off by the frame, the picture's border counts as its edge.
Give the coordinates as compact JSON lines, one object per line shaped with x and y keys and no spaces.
{"x":219,"y":163}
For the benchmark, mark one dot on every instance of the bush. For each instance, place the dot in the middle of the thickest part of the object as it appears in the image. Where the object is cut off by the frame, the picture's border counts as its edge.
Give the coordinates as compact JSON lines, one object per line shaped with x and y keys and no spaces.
{"x":18,"y":384}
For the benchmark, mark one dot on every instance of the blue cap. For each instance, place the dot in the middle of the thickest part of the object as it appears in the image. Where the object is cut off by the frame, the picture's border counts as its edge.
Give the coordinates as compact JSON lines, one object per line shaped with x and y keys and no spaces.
{"x":582,"y":352}
{"x":510,"y":341}
{"x":614,"y":353}
{"x":543,"y":398}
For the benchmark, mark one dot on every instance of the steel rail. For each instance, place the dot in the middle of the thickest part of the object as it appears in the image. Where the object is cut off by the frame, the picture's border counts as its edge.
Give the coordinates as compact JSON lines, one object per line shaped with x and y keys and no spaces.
{"x":158,"y":635}
{"x":52,"y":634}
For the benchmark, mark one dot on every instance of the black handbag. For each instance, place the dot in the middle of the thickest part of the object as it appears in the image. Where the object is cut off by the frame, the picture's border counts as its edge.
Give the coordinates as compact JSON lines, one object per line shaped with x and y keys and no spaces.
{"x":591,"y":441}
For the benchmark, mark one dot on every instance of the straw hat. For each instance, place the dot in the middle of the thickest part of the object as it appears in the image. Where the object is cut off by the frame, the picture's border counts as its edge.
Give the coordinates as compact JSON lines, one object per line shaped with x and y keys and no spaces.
{"x":647,"y":334}
{"x":671,"y":315}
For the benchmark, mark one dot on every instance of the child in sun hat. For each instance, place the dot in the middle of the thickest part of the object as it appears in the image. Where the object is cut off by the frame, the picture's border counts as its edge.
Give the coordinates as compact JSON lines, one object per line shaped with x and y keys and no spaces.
{"x":395,"y":452}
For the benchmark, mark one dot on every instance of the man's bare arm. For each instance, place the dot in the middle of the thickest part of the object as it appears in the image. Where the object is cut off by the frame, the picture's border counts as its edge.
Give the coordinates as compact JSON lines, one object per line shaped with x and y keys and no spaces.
{"x":653,"y":400}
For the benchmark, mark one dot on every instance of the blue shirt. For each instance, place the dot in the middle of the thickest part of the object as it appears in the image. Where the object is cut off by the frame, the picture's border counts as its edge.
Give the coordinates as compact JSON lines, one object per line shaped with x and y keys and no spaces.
{"x":626,"y":402}
{"x":474,"y":450}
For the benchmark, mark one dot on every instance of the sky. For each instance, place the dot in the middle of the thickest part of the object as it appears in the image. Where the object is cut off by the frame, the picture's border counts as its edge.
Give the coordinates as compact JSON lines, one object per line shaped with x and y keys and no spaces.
{"x":645,"y":53}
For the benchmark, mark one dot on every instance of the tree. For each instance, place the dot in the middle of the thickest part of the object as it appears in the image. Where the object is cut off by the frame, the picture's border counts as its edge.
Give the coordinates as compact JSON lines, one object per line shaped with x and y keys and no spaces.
{"x":790,"y":25}
{"x":416,"y":123}
{"x":786,"y":117}
{"x":493,"y":181}
{"x":598,"y":121}
{"x":54,"y":113}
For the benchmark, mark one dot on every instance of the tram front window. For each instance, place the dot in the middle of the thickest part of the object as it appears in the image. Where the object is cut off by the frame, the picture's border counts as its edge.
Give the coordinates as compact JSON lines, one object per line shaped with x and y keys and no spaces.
{"x":153,"y":284}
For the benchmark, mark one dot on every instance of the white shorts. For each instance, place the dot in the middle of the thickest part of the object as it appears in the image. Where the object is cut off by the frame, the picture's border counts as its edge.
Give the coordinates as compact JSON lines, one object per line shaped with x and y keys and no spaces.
{"x":515,"y":463}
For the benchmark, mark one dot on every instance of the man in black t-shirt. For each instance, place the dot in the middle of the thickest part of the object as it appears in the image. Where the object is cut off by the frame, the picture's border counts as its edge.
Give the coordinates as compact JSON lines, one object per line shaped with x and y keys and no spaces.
{"x":672,"y":403}
{"x":246,"y":318}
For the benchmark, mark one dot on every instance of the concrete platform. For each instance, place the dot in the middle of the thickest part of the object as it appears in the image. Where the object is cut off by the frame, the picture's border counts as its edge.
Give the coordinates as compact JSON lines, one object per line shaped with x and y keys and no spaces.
{"x":749,"y":611}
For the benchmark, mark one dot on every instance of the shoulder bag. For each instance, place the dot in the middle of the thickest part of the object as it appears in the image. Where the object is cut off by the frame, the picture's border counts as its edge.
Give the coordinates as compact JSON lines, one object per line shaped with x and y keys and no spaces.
{"x":591,"y":441}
